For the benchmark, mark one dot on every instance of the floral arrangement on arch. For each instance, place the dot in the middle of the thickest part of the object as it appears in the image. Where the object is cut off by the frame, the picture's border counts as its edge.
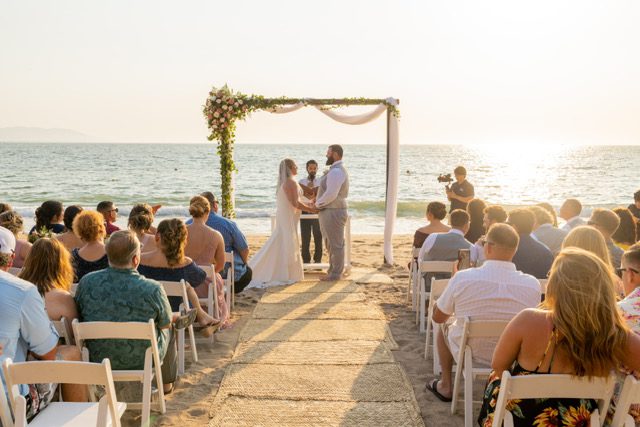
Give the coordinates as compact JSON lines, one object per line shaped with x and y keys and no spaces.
{"x":222,"y":108}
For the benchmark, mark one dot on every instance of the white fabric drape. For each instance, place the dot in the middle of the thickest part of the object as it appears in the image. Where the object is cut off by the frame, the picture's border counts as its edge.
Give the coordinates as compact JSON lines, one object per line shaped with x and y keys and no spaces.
{"x":393,"y":160}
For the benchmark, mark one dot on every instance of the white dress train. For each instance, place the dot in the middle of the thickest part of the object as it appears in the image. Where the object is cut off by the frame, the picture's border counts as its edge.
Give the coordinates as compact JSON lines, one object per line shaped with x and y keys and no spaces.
{"x":279,"y":261}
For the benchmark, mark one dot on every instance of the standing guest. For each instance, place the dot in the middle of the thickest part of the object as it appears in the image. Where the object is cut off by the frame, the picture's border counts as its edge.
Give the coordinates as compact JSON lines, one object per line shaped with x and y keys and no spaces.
{"x":5,"y":207}
{"x":140,"y":222}
{"x":89,"y":226}
{"x":26,"y":331}
{"x":168,"y":262}
{"x":475,"y":209}
{"x":310,"y":225}
{"x":606,"y":222}
{"x":493,"y":214}
{"x":48,"y":217}
{"x":445,"y":246}
{"x":12,"y":221}
{"x":570,"y":212}
{"x":436,"y":212}
{"x":110,"y":213}
{"x":577,"y":331}
{"x":49,"y":268}
{"x":625,"y":235}
{"x":532,"y":257}
{"x":546,"y":206}
{"x":635,"y":206}
{"x":68,"y":238}
{"x":461,"y":191}
{"x":234,"y":241}
{"x":591,"y":240}
{"x":495,"y":291}
{"x":545,"y":232}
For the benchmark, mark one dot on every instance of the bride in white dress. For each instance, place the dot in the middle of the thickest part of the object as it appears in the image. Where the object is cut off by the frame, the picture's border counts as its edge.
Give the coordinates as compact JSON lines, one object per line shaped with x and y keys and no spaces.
{"x":279,"y":261}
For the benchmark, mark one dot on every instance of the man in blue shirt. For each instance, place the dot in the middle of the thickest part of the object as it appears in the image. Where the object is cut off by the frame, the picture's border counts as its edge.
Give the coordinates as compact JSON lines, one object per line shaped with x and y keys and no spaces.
{"x":25,"y":329}
{"x":234,"y":241}
{"x":532,"y":257}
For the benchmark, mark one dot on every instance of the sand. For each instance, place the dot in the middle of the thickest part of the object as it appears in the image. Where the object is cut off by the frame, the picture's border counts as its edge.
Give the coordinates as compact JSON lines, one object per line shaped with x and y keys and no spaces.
{"x":189,"y":404}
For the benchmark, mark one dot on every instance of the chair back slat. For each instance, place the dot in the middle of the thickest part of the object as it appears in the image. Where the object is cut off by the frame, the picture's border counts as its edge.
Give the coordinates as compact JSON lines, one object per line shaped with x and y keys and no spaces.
{"x":486,"y":328}
{"x":210,"y":270}
{"x":113,"y":330}
{"x":436,"y":266}
{"x":437,"y":287}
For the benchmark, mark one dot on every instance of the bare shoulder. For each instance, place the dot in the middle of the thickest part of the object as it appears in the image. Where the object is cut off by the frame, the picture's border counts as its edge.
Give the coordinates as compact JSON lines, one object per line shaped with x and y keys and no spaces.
{"x":531,"y":318}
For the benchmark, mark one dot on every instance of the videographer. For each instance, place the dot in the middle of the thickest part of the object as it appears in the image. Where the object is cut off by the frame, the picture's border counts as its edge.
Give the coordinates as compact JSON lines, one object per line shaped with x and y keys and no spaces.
{"x":461,"y":192}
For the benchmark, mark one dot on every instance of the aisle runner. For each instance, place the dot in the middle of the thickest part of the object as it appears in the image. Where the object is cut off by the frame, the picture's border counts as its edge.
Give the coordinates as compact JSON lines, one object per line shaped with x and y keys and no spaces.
{"x":315,"y":354}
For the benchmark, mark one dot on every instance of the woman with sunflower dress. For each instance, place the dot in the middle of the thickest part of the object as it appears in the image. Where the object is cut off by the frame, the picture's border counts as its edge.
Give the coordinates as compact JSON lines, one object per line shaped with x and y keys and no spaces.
{"x":577,"y":330}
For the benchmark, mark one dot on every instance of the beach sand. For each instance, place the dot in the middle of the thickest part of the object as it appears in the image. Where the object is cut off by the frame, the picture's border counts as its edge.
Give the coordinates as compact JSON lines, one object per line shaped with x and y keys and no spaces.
{"x":190,"y":402}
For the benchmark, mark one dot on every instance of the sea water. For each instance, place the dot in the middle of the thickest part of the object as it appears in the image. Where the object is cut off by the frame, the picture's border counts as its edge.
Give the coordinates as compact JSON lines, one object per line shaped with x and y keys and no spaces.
{"x":170,"y":174}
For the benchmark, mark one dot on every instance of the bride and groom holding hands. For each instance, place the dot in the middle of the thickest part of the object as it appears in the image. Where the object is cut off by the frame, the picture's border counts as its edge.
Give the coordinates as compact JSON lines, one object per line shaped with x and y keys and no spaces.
{"x":279,"y":261}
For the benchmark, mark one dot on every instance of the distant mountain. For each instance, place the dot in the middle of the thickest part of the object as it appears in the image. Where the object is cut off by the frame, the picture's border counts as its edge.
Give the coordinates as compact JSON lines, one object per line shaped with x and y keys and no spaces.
{"x":32,"y":134}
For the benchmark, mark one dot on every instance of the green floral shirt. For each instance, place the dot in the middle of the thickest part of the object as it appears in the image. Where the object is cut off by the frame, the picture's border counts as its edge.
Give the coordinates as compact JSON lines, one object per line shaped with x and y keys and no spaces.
{"x":123,"y":295}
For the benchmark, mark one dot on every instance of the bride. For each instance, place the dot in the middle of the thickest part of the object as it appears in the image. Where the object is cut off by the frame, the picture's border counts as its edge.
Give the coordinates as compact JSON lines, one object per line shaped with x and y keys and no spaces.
{"x":279,"y":261}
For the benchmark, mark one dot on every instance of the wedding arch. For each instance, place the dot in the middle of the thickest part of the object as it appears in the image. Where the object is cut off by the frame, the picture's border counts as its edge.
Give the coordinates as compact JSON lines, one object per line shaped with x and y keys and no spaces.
{"x":224,"y":107}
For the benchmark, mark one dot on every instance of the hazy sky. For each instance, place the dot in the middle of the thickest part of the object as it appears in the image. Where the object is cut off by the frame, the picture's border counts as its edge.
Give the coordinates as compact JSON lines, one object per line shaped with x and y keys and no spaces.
{"x":465,"y":71}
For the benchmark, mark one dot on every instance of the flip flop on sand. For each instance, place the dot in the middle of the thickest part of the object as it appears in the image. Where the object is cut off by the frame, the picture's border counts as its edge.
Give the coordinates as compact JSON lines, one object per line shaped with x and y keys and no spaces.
{"x":433,"y":388}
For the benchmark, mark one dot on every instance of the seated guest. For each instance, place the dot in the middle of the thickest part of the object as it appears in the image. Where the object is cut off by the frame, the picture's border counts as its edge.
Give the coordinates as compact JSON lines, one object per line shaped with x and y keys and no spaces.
{"x":635,"y":206}
{"x":12,"y":221}
{"x":140,"y":222}
{"x":570,"y":212}
{"x":89,"y":226}
{"x":606,"y":222}
{"x":26,"y":331}
{"x":436,"y":212}
{"x":532,"y":257}
{"x":234,"y":241}
{"x":48,"y":219}
{"x":49,"y":268}
{"x":475,"y":209}
{"x":493,"y":214}
{"x":578,"y":331}
{"x":445,"y":246}
{"x":120,"y":294}
{"x":546,"y":206}
{"x":625,"y":235}
{"x":69,"y":238}
{"x":495,"y":291}
{"x":205,"y":246}
{"x":109,"y":213}
{"x":5,"y":207}
{"x":167,"y":262}
{"x":591,"y":240}
{"x":545,"y":232}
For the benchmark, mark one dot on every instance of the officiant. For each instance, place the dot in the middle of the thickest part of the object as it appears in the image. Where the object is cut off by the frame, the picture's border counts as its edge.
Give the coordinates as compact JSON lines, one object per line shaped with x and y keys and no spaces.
{"x":310,"y":226}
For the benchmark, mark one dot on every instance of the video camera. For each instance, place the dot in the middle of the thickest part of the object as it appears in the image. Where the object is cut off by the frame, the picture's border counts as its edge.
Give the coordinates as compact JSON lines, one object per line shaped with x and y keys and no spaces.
{"x":446,"y":178}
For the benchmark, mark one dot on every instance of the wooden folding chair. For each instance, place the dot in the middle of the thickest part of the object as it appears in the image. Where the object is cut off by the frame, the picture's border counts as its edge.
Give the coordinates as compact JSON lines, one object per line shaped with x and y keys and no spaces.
{"x":152,"y":363}
{"x":107,"y":412}
{"x":412,"y":289}
{"x":437,"y":288}
{"x":179,"y":289}
{"x":425,"y":267}
{"x":484,"y":329}
{"x":629,"y":395}
{"x":63,"y":328}
{"x":552,"y":386}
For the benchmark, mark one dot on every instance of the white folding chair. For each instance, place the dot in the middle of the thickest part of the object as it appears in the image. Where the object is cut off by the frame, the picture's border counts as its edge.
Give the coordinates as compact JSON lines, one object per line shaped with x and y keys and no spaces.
{"x":552,"y":386}
{"x":73,"y":289}
{"x":107,"y":412}
{"x":230,"y":287}
{"x":543,"y":286}
{"x":179,"y":289}
{"x":425,"y":267}
{"x":483,"y":329}
{"x":152,"y":363}
{"x":629,"y":395}
{"x":437,"y":288}
{"x":63,"y":328}
{"x":211,"y":301}
{"x":412,"y":289}
{"x":6,"y":419}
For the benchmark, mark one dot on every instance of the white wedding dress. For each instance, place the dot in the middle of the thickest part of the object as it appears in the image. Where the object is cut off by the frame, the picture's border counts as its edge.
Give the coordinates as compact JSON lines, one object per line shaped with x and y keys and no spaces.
{"x":279,"y":261}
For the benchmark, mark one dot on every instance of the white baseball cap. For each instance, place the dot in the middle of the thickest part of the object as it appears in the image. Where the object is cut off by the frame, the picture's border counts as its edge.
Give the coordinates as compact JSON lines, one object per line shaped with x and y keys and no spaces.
{"x":7,"y":241}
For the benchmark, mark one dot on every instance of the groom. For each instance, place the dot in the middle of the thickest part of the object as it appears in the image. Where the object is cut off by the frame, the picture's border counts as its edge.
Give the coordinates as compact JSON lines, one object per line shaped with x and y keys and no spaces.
{"x":332,"y":203}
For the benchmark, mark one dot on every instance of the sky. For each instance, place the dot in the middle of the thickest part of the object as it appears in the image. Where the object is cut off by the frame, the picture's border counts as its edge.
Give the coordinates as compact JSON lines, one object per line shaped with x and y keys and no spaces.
{"x":466,"y":71}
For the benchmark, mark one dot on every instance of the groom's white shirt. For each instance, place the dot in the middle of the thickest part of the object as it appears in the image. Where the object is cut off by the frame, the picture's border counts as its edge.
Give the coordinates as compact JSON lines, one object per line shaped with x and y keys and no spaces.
{"x":335,"y":178}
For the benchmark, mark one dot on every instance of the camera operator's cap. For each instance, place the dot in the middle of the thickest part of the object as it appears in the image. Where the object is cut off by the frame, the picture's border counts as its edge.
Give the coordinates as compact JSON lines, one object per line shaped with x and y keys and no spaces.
{"x":7,"y":242}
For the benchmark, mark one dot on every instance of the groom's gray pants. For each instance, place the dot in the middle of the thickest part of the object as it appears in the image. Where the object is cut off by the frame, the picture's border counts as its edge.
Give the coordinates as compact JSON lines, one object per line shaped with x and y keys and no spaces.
{"x":332,"y":223}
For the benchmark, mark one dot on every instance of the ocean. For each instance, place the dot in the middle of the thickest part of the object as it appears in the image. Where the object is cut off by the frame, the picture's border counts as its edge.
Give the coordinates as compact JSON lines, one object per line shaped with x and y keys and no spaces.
{"x":169,"y":174}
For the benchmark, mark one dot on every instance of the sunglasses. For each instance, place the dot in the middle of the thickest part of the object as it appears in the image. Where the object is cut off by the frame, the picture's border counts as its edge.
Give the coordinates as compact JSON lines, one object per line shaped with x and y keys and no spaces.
{"x":620,"y":271}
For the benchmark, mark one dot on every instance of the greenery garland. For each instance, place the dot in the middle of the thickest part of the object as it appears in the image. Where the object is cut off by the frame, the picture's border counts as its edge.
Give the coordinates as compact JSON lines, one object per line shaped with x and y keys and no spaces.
{"x":224,"y":107}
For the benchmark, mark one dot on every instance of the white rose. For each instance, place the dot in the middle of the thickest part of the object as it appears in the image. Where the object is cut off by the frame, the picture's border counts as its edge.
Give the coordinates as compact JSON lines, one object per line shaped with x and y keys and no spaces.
{"x":218,"y":101}
{"x":222,"y":120}
{"x":240,"y":101}
{"x":236,"y":104}
{"x":224,"y":107}
{"x":216,"y":114}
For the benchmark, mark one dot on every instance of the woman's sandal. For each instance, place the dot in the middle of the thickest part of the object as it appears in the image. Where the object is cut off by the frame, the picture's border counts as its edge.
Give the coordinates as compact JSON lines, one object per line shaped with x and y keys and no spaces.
{"x":186,"y":319}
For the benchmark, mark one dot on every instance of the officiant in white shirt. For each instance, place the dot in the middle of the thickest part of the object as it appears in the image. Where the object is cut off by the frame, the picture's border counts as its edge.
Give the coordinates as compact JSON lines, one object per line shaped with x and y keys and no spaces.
{"x":309,"y":226}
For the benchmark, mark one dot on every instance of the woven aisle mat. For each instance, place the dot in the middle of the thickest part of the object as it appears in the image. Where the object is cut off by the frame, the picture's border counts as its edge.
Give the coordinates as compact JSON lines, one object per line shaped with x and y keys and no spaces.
{"x":322,"y":310}
{"x":314,"y":353}
{"x":316,"y":287}
{"x":246,"y":412}
{"x":311,"y":297}
{"x":313,"y":330}
{"x":385,"y":382}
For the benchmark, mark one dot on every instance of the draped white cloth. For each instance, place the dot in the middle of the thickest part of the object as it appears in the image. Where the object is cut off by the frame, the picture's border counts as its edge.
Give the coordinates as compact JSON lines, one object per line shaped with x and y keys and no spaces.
{"x":393,"y":158}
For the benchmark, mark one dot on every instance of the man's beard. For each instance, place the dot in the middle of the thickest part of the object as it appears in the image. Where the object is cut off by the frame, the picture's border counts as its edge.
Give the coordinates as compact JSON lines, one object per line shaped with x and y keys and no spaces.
{"x":330,"y":161}
{"x":312,"y":176}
